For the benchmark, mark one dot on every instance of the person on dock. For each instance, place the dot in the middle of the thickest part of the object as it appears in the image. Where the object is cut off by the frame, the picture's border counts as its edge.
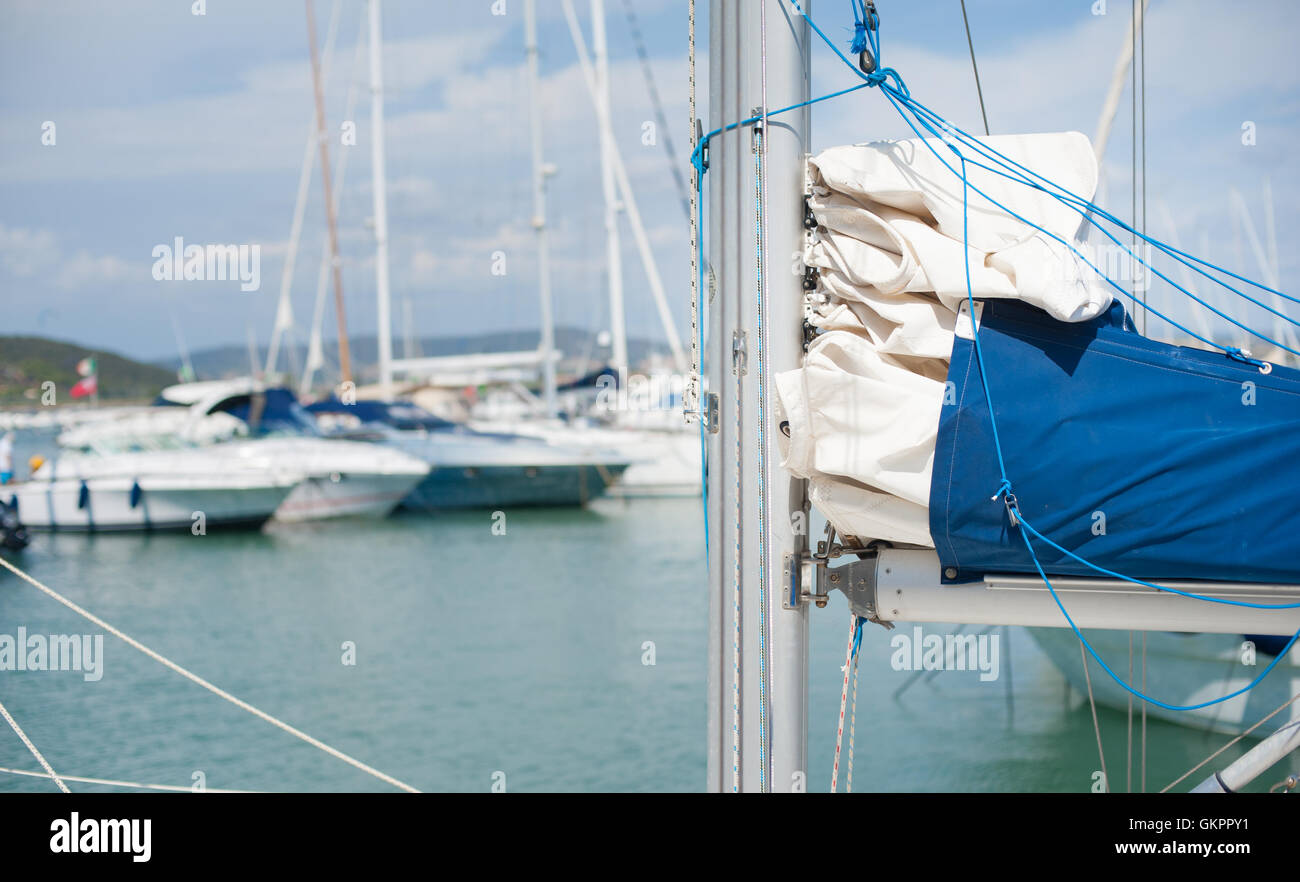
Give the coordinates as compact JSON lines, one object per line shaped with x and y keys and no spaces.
{"x":7,"y":458}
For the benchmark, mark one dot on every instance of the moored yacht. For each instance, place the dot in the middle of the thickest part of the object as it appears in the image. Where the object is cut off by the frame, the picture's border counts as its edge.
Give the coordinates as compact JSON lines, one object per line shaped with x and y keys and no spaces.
{"x":473,"y":469}
{"x":159,"y":489}
{"x":238,"y":422}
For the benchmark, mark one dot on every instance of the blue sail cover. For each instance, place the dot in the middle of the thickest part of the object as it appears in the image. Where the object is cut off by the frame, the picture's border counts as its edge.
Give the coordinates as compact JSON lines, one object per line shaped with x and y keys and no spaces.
{"x":1153,"y":461}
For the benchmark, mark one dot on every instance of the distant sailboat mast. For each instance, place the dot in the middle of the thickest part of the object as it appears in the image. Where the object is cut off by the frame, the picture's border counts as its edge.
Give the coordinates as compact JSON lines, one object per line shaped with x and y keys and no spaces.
{"x":540,"y":171}
{"x":628,"y":203}
{"x":315,"y":349}
{"x":385,"y":330}
{"x":284,"y":306}
{"x":345,"y":359}
{"x":613,"y":245}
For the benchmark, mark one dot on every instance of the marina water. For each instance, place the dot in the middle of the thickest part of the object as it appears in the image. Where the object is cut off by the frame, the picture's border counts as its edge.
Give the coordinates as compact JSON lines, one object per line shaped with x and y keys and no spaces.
{"x":567,"y":653}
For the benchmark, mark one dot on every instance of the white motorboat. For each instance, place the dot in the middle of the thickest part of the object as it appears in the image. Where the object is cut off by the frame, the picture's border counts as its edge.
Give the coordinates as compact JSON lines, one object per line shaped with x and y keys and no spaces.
{"x":239,"y":422}
{"x":155,"y":490}
{"x":662,"y":449}
{"x":663,"y":463}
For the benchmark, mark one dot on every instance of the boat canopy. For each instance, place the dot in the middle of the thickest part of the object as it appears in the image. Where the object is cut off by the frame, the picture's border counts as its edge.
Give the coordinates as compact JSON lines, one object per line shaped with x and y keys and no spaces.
{"x":400,"y":415}
{"x":1148,"y":459}
{"x":268,"y":411}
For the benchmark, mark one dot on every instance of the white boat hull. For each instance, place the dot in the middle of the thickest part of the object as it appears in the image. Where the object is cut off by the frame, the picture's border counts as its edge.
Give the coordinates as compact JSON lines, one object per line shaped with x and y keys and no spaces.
{"x":663,"y":463}
{"x":339,"y":496}
{"x":1181,"y":669}
{"x":160,"y":503}
{"x":341,"y":478}
{"x":488,"y":471}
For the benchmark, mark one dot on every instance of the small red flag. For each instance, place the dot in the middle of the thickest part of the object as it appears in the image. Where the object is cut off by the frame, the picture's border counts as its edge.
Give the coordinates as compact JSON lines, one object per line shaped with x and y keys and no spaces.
{"x":86,"y":386}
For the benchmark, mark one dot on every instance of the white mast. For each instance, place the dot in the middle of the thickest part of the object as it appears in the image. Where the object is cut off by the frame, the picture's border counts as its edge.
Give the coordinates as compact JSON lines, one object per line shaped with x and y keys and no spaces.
{"x":1111,"y":105}
{"x":751,"y":501}
{"x":315,"y":349}
{"x":540,"y":171}
{"x":284,"y":306}
{"x":625,"y":191}
{"x":379,"y":185}
{"x":613,"y":248}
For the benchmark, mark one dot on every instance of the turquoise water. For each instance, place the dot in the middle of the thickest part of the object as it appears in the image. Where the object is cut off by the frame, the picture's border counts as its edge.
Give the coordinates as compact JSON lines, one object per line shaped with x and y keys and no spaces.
{"x":479,"y":654}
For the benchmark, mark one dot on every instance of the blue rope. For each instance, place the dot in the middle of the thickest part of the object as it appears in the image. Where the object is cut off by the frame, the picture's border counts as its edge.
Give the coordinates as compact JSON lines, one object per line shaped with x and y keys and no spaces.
{"x":701,"y":167}
{"x":1074,"y":201}
{"x":859,"y":27}
{"x":898,"y":92}
{"x":866,"y":34}
{"x":1024,"y":176}
{"x":1008,"y":497}
{"x":699,"y":159}
{"x":857,"y":637}
{"x":1039,"y":536}
{"x":1230,"y":351}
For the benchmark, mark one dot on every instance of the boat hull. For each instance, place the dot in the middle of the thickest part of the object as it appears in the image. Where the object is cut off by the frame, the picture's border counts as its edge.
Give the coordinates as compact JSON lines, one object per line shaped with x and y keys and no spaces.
{"x":115,"y":505}
{"x":509,"y":486}
{"x":340,"y":478}
{"x":341,"y":496}
{"x":667,"y":465}
{"x":663,"y":463}
{"x":1181,"y":669}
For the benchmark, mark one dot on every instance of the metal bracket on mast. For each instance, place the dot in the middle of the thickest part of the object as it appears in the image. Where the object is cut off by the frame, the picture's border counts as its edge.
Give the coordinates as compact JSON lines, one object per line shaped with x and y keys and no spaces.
{"x":809,"y":578}
{"x":739,"y":354}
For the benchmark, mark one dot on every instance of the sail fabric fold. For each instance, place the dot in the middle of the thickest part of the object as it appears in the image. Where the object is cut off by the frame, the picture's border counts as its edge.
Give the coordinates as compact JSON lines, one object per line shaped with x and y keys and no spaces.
{"x":891,"y":247}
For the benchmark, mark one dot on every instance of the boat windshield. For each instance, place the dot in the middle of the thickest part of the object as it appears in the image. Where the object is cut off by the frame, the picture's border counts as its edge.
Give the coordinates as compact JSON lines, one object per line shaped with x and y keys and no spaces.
{"x":275,"y":412}
{"x":109,"y":446}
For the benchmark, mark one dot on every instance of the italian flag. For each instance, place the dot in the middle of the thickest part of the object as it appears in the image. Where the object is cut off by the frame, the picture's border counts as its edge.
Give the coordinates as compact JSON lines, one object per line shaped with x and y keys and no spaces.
{"x":89,"y":382}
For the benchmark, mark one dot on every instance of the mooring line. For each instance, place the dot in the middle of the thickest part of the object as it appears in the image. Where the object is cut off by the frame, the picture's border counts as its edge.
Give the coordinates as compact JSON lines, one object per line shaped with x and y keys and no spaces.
{"x":18,"y":730}
{"x":108,"y":782}
{"x":194,"y":678}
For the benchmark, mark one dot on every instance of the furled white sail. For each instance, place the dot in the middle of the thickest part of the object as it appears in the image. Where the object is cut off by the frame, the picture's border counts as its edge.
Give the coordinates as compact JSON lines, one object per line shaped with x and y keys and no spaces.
{"x":863,"y":411}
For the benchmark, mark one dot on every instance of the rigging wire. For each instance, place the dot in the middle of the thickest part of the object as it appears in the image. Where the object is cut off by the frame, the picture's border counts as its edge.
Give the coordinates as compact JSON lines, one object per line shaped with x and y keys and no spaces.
{"x":1183,"y":777}
{"x":1096,"y":726}
{"x":760,"y":271}
{"x":1144,"y":713}
{"x":661,"y":120}
{"x":1128,"y":744}
{"x":975,"y":67}
{"x":738,"y":571}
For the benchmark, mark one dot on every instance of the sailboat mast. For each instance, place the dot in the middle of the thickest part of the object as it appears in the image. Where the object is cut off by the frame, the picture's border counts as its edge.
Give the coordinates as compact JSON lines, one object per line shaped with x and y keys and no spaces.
{"x":380,"y":188}
{"x":547,"y":345}
{"x":284,"y":306}
{"x":758,"y":56}
{"x":613,"y":247}
{"x":345,"y":356}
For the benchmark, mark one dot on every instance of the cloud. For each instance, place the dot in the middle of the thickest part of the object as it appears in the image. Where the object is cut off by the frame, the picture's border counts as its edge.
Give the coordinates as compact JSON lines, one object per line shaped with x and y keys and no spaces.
{"x":199,"y":126}
{"x":36,"y":255}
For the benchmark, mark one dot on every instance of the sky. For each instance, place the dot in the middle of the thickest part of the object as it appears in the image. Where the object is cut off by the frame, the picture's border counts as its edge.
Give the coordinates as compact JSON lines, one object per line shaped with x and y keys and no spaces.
{"x":169,"y":124}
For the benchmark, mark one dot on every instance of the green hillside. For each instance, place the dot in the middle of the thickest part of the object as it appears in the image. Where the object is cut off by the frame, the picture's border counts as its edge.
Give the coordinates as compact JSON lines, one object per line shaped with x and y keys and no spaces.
{"x":27,"y":362}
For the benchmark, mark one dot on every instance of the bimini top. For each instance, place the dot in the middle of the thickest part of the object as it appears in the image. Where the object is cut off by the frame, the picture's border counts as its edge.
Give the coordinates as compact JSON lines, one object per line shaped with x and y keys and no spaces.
{"x":398,"y":414}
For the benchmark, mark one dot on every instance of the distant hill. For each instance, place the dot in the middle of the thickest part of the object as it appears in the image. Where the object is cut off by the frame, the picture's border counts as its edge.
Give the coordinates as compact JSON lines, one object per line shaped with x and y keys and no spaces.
{"x":27,"y":362}
{"x":577,"y":345}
